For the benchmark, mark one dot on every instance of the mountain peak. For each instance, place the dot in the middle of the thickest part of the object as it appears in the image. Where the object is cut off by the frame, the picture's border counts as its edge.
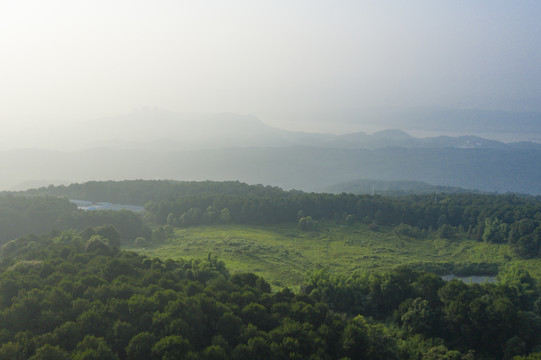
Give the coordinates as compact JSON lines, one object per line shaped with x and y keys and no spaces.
{"x":394,"y":134}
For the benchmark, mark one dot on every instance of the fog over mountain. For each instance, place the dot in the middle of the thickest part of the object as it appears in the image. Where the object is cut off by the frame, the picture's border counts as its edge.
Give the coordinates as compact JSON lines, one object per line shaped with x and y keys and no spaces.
{"x":445,"y":93}
{"x":506,"y":126}
{"x":162,"y":130}
{"x":156,"y":144}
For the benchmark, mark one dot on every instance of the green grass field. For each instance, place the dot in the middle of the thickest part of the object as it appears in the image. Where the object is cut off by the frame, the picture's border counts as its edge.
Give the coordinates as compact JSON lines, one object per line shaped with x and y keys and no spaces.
{"x":283,"y":254}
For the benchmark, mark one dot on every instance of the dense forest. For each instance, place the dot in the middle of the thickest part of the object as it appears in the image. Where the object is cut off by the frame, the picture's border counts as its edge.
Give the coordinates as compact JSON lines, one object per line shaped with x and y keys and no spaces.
{"x":492,"y":218}
{"x":20,"y":215}
{"x":510,"y":219}
{"x":68,"y":291}
{"x":139,"y":192}
{"x":75,"y":295}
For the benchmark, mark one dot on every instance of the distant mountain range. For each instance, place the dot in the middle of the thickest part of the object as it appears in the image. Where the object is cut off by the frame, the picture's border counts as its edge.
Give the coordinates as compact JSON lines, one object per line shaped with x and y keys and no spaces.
{"x":162,"y":145}
{"x":506,"y":126}
{"x":160,"y":130}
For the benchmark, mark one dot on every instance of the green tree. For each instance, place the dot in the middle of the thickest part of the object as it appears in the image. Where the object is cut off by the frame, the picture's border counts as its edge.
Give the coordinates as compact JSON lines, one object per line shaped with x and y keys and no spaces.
{"x":110,"y":233}
{"x":140,"y":346}
{"x":49,"y":352}
{"x":446,"y":231}
{"x":525,"y":238}
{"x":225,"y":216}
{"x":214,"y":352}
{"x":493,"y":231}
{"x":306,"y":223}
{"x":355,"y":340}
{"x":171,"y":219}
{"x":99,"y":244}
{"x":514,"y":346}
{"x":10,"y":351}
{"x":171,"y":347}
{"x":257,"y":348}
{"x":419,"y":318}
{"x":93,"y":348}
{"x":141,"y":242}
{"x":533,"y":356}
{"x":441,"y":352}
{"x":68,"y":335}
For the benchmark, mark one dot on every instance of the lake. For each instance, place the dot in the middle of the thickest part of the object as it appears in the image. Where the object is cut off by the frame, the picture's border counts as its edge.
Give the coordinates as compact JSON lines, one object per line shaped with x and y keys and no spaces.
{"x":89,"y":205}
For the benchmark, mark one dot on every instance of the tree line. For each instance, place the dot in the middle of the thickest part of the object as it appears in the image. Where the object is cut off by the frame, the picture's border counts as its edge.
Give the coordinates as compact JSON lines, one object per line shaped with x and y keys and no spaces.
{"x":510,"y":219}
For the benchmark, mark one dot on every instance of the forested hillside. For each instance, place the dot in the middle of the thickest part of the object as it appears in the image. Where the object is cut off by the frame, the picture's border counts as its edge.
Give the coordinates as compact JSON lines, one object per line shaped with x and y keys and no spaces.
{"x":510,"y":219}
{"x":68,"y":291}
{"x":21,"y":215}
{"x":139,"y":192}
{"x":391,"y":188}
{"x":77,"y":296}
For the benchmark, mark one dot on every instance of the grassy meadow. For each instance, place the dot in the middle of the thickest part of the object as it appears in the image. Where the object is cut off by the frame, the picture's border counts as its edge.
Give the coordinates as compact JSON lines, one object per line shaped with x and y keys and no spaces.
{"x":283,"y":254}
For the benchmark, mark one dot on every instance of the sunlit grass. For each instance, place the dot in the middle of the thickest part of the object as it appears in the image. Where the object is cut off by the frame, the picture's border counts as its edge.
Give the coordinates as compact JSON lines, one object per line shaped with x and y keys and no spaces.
{"x":283,"y":254}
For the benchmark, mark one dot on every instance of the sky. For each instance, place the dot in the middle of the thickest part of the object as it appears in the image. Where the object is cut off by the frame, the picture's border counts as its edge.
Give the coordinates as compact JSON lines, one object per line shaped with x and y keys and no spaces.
{"x":286,"y":62}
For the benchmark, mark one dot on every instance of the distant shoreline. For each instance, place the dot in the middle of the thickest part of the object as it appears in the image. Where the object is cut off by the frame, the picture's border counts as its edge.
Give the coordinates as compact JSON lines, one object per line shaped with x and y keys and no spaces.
{"x":89,"y":205}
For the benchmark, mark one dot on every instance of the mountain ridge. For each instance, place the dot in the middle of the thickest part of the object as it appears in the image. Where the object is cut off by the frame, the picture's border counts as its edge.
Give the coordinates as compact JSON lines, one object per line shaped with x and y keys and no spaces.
{"x":161,"y":130}
{"x":250,"y":151}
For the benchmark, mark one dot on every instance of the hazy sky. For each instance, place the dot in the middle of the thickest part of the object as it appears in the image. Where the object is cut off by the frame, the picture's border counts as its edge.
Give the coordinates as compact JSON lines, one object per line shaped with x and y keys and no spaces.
{"x":76,"y":60}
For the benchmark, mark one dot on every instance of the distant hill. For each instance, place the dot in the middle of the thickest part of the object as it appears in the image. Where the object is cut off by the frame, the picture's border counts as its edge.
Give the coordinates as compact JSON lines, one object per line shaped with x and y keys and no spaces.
{"x":507,"y":126}
{"x":391,"y":188}
{"x":139,"y":192}
{"x":161,"y":130}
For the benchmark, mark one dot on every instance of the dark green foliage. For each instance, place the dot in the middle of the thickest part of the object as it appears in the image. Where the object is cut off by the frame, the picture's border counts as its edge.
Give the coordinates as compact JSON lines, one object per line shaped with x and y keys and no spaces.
{"x":441,"y":352}
{"x":408,"y":230}
{"x":214,"y":352}
{"x":25,"y":215}
{"x":483,"y":217}
{"x":68,"y":303}
{"x":525,"y":237}
{"x":140,"y":346}
{"x":495,"y":231}
{"x":121,"y":225}
{"x":306,"y":223}
{"x":80,"y":299}
{"x":93,"y":348}
{"x":140,"y":192}
{"x":76,"y":294}
{"x":419,"y":317}
{"x":447,"y":231}
{"x":171,"y":348}
{"x":533,"y":356}
{"x":48,"y":352}
{"x":141,"y":242}
{"x":355,"y":340}
{"x":464,"y":316}
{"x":98,"y":244}
{"x":10,"y":351}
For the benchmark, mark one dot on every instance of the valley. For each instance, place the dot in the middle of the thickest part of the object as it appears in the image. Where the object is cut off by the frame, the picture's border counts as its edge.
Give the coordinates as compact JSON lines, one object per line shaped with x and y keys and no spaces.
{"x":283,"y":254}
